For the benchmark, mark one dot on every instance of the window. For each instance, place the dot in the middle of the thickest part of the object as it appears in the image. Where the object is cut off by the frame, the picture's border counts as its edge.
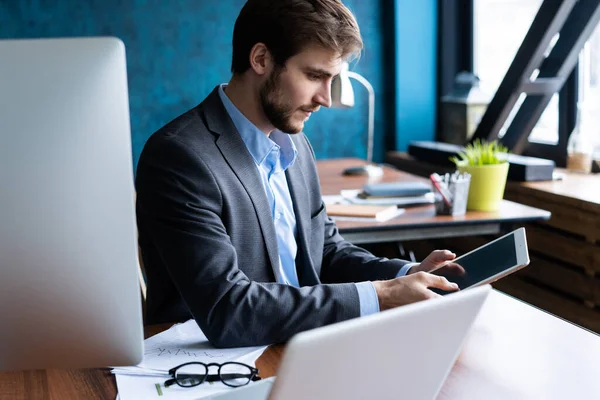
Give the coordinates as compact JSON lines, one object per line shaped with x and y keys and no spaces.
{"x":499,"y":29}
{"x":484,"y":36}
{"x":589,"y":81}
{"x":589,"y":68}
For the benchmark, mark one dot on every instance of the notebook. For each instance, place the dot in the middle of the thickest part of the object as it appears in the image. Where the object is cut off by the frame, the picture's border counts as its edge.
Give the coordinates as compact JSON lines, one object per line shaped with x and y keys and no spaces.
{"x":379,"y":213}
{"x":395,"y":189}
{"x":352,"y":196}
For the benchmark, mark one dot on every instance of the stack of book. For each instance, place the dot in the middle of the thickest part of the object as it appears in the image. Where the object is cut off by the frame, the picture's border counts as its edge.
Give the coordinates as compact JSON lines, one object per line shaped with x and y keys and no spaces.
{"x":400,"y":194}
{"x":378,"y":201}
{"x":378,"y":213}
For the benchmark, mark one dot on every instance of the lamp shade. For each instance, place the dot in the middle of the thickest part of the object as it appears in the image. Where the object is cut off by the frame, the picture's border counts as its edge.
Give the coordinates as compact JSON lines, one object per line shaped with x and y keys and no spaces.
{"x":342,"y":94}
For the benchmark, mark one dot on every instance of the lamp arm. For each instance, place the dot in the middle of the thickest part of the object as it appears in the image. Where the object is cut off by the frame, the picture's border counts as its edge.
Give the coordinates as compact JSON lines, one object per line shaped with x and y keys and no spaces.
{"x":371,"y":130}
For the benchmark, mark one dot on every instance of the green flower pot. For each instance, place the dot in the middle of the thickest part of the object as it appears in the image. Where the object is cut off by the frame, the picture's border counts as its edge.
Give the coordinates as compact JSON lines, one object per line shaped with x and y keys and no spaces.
{"x":487,"y":185}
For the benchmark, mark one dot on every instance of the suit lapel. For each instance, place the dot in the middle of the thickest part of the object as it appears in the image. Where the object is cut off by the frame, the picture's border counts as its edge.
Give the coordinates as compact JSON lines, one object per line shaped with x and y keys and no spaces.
{"x":297,"y":185}
{"x":238,"y":157}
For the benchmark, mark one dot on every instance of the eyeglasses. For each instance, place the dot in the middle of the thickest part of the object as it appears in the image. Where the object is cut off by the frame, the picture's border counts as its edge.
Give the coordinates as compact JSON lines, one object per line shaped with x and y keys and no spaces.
{"x":192,"y":374}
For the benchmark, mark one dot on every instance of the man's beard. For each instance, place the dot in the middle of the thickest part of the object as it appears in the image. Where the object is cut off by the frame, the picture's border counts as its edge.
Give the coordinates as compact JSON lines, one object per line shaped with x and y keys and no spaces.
{"x":277,"y":110}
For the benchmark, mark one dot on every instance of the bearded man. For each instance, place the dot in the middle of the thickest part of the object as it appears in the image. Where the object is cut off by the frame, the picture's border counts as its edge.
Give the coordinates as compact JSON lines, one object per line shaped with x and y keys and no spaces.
{"x":232,"y":228}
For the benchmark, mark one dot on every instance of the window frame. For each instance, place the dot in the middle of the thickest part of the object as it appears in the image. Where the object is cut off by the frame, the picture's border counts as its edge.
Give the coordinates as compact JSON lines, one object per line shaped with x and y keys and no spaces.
{"x":455,"y":46}
{"x":456,"y":21}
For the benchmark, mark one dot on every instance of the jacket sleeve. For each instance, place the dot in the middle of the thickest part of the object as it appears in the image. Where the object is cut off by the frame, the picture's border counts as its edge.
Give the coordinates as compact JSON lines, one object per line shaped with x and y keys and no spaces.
{"x":180,"y":205}
{"x":345,"y":262}
{"x":341,"y":260}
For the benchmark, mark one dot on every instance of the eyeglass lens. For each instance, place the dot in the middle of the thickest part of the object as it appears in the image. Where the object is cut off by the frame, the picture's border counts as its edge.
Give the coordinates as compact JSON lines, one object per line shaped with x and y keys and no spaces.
{"x":191,"y":375}
{"x":234,"y":374}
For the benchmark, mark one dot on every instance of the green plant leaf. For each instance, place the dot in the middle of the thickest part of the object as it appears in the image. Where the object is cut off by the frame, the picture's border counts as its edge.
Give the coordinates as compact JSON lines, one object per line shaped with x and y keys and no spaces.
{"x":481,"y":152}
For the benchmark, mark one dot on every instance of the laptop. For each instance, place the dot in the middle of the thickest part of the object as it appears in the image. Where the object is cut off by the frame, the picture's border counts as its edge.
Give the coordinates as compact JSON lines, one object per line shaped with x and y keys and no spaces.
{"x":402,"y":353}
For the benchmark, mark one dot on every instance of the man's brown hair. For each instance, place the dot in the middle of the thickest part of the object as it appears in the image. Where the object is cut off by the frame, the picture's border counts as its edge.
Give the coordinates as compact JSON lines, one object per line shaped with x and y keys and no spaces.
{"x":287,"y":27}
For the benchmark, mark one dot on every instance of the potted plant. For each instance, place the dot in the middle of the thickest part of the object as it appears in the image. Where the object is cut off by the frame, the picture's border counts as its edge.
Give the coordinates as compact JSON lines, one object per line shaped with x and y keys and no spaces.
{"x":487,"y":163}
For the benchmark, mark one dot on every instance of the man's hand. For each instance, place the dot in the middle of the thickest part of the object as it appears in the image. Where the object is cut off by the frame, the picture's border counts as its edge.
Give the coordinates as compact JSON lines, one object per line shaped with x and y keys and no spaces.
{"x":432,"y":261}
{"x":410,"y":289}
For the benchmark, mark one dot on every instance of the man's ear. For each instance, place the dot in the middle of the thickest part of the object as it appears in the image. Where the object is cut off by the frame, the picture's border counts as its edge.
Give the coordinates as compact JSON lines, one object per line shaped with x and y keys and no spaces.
{"x":261,"y":60}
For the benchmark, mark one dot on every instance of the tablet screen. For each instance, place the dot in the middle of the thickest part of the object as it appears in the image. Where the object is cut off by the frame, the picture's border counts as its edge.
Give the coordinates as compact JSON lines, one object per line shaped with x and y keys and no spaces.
{"x":481,"y":264}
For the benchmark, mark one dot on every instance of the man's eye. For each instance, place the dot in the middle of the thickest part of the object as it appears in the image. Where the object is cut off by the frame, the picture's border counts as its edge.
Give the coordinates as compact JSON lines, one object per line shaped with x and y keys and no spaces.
{"x":313,"y":77}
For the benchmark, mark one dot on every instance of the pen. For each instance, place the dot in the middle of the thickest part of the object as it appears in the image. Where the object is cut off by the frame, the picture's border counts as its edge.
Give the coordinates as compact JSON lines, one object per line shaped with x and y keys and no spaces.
{"x":436,"y":184}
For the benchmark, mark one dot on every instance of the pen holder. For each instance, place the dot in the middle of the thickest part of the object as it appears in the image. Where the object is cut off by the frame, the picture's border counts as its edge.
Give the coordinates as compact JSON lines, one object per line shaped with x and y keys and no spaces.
{"x":451,"y":196}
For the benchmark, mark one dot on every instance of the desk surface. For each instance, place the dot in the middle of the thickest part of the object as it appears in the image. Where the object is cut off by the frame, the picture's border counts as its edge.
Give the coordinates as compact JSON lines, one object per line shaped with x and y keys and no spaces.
{"x":416,"y":222}
{"x":514,"y":351}
{"x":577,"y":190}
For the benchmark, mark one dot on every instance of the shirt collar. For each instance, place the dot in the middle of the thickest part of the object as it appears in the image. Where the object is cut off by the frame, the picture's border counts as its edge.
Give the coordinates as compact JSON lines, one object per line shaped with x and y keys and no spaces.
{"x":260,"y":145}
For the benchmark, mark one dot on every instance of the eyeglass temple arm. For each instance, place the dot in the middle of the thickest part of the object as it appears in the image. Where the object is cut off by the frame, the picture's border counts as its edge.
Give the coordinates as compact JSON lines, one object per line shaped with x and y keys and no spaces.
{"x":170,"y":382}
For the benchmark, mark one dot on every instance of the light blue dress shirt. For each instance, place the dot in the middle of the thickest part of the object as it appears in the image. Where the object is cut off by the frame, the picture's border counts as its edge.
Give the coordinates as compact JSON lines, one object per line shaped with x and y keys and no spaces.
{"x":273,"y":155}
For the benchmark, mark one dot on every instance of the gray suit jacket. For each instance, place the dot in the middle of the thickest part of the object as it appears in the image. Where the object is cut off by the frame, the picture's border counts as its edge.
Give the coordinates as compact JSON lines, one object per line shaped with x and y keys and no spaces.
{"x":208,"y":240}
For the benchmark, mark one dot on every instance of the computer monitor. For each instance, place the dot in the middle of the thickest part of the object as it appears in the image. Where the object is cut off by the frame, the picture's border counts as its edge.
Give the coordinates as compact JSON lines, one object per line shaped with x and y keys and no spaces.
{"x":69,"y":289}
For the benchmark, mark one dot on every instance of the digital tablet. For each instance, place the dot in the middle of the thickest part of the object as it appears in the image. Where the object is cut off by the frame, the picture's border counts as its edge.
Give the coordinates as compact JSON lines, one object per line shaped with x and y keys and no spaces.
{"x":487,"y":263}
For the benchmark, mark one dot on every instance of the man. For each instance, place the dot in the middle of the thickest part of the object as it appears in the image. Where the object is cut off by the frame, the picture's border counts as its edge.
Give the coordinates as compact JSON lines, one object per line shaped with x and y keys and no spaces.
{"x":232,"y":227}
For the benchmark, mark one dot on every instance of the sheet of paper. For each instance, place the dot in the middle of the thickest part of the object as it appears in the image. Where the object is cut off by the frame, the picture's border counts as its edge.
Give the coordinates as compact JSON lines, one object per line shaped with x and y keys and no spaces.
{"x":180,"y":344}
{"x":144,"y":387}
{"x":184,"y":343}
{"x":334,"y":199}
{"x":133,"y":387}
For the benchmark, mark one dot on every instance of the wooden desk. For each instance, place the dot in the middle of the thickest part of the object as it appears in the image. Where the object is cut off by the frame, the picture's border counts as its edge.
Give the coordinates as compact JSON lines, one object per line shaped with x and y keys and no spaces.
{"x":417,"y":222}
{"x":564,"y":275}
{"x":514,"y":351}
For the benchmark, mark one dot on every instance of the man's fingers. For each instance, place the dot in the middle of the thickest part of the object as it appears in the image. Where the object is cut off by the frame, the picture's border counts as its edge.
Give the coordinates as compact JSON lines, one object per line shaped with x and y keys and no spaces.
{"x":444,"y":284}
{"x":454,"y":269}
{"x":443,"y":255}
{"x":432,"y":295}
{"x":436,"y":281}
{"x":439,"y":256}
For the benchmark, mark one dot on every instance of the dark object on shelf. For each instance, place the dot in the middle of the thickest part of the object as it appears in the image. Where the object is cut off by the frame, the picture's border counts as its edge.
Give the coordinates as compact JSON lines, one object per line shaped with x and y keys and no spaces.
{"x":461,"y":109}
{"x":522,"y":168}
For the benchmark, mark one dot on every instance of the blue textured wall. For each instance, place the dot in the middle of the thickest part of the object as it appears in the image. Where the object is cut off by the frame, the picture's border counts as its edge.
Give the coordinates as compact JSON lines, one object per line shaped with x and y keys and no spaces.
{"x":177,"y":51}
{"x":416,"y":75}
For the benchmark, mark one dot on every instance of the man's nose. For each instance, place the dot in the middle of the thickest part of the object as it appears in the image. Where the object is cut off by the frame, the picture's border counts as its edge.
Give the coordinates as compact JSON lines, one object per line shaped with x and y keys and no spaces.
{"x":323,"y":96}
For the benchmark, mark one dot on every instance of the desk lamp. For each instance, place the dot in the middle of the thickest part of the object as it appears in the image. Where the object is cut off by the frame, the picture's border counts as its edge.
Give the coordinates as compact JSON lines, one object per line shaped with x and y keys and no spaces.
{"x":342,"y":96}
